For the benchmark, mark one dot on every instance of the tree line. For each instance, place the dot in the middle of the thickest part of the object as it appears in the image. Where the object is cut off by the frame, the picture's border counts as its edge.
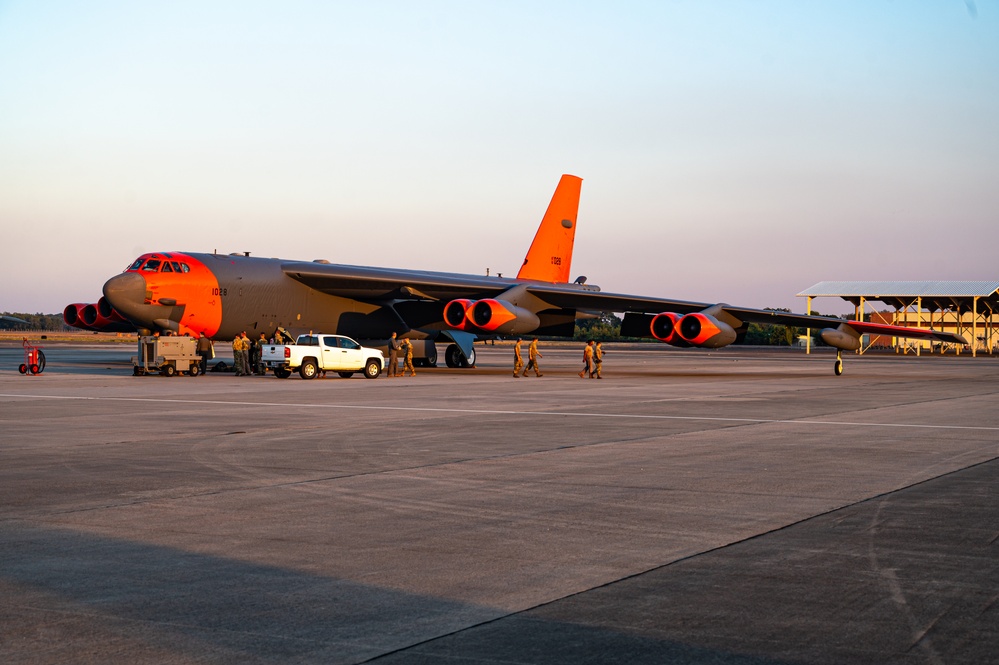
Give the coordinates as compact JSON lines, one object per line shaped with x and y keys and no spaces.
{"x":36,"y":321}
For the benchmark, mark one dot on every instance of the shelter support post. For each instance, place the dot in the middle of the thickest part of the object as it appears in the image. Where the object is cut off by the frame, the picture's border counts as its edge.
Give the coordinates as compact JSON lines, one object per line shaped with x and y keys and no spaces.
{"x":919,"y":321}
{"x":974,"y":327}
{"x":808,"y":331}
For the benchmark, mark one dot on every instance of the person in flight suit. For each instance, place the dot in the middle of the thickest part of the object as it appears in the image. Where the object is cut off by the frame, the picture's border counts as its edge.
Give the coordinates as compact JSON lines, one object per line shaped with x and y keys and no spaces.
{"x":393,"y":346}
{"x":204,"y":349}
{"x":408,"y":366}
{"x":587,"y":360}
{"x":598,"y":360}
{"x":518,"y":361}
{"x":532,"y":358}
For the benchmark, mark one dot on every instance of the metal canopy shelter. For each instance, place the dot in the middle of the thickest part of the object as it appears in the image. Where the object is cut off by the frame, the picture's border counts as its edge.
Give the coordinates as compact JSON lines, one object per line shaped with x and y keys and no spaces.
{"x":947,"y":304}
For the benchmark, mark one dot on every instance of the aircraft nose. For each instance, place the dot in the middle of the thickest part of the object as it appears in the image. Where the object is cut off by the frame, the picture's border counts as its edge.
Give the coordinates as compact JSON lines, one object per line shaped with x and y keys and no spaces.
{"x":126,"y":291}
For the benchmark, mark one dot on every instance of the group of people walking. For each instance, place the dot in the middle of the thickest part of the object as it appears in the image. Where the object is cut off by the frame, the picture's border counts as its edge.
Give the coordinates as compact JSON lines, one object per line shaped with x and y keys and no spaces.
{"x":593,"y":360}
{"x":532,"y":359}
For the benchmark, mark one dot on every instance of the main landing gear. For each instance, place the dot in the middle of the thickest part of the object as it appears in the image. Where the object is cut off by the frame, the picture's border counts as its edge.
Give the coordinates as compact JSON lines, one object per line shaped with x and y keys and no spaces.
{"x":838,"y":367}
{"x":455,"y":358}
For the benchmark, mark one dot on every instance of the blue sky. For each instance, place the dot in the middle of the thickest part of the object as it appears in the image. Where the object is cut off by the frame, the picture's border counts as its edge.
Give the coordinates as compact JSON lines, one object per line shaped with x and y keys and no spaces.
{"x":730,"y":151}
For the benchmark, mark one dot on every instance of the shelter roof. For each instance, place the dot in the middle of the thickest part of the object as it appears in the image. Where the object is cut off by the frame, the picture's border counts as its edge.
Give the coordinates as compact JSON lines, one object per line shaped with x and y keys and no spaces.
{"x":934,"y":295}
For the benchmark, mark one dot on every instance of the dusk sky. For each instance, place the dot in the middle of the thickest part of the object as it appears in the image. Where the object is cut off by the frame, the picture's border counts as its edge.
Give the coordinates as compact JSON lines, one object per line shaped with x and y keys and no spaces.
{"x":730,"y":151}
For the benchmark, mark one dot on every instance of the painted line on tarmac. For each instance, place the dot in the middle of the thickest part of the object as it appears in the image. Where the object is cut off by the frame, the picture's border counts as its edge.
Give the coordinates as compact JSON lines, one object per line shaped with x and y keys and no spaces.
{"x":500,"y":412}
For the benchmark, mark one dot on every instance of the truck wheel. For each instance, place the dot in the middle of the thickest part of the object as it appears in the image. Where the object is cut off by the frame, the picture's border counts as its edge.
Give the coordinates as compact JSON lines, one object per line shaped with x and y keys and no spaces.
{"x":308,"y":370}
{"x":281,"y":373}
{"x":372,"y":369}
{"x":345,"y":375}
{"x":169,"y":370}
{"x":194,"y":370}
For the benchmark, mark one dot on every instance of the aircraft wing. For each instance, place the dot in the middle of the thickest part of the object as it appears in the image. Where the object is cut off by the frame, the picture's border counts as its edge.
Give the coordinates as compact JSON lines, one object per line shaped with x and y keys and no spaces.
{"x":614,"y":302}
{"x":863,"y":327}
{"x":386,"y":284}
{"x":382,"y":284}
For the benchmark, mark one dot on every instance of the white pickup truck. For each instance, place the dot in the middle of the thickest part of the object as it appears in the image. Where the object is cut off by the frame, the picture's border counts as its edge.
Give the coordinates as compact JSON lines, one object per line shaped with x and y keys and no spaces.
{"x":314,"y":353}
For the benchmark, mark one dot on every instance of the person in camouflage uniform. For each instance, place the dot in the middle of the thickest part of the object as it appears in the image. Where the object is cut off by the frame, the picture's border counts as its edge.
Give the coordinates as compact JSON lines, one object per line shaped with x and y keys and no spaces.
{"x":587,"y":360}
{"x":237,"y":355}
{"x":598,"y":360}
{"x":261,"y":343}
{"x":532,"y":358}
{"x":518,"y":361}
{"x":408,"y":366}
{"x":247,"y":351}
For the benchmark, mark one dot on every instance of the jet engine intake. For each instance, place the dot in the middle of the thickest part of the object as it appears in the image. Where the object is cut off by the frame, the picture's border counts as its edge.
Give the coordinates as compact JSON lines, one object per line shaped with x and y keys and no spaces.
{"x":73,"y":316}
{"x":664,"y":328}
{"x":499,"y":316}
{"x":103,"y":317}
{"x":456,"y":313}
{"x":700,"y":329}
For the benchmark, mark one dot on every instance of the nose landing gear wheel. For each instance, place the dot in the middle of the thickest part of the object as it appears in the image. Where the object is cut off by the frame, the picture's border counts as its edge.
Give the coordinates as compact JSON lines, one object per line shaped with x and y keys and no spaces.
{"x":838,"y":366}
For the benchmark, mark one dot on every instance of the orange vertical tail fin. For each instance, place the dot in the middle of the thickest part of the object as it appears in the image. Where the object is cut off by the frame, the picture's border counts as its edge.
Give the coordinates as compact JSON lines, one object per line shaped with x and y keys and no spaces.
{"x":550,"y":255}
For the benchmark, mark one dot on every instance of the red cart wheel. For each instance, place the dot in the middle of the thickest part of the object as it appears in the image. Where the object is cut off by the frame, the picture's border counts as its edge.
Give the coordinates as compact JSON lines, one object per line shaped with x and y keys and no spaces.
{"x":23,"y":369}
{"x":34,"y":368}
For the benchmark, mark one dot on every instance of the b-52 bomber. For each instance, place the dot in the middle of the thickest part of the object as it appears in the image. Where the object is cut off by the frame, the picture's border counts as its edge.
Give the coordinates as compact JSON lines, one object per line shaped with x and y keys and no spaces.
{"x":221,"y":295}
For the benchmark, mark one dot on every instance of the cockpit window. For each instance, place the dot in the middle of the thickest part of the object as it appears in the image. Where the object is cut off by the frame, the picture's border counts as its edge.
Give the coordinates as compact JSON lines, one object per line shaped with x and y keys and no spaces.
{"x":166,"y":267}
{"x":185,"y":268}
{"x":176,"y":267}
{"x":135,"y":266}
{"x":152,"y":265}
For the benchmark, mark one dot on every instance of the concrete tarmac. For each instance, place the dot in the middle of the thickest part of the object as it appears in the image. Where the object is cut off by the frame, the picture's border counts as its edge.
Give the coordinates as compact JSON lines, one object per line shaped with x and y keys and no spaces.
{"x":732,"y":506}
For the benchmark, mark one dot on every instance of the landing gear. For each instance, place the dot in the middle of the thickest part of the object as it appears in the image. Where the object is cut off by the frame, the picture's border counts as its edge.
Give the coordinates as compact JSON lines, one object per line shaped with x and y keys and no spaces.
{"x":430,"y":360}
{"x":838,"y":367}
{"x":455,"y":358}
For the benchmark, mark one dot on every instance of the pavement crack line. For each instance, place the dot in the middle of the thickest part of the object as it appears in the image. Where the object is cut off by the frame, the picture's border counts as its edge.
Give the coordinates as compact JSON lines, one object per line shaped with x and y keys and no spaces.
{"x":918,"y":640}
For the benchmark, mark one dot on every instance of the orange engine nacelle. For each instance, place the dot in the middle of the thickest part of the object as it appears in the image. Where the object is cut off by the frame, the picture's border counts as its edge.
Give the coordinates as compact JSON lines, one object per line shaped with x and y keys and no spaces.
{"x":73,"y":316}
{"x":501,"y":317}
{"x":665,"y":328}
{"x":104,"y":318}
{"x":456,"y":313}
{"x":700,"y":329}
{"x":490,"y":315}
